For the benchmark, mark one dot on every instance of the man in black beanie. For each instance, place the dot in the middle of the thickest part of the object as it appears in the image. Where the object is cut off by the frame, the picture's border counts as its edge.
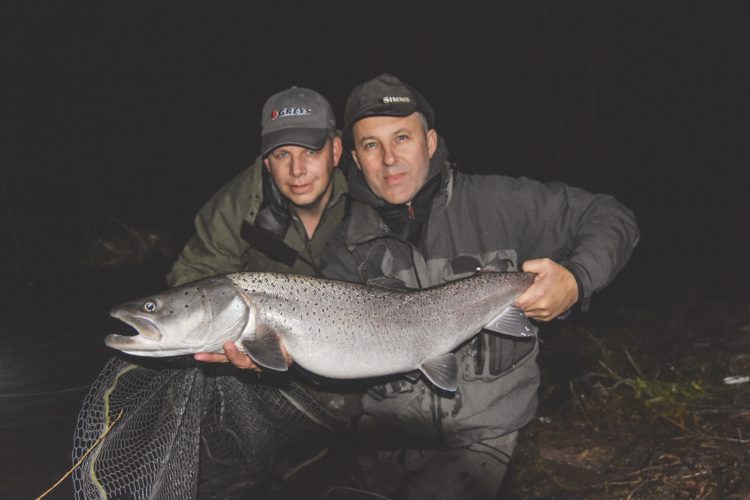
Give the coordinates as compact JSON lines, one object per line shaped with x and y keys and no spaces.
{"x":416,"y":221}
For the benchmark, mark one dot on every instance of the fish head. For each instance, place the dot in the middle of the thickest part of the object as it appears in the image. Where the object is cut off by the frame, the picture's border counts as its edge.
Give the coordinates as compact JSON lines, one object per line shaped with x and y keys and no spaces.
{"x":196,"y":317}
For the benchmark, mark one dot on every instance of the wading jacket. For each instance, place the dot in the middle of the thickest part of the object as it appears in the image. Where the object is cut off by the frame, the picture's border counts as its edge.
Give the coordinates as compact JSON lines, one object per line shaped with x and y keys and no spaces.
{"x":247,"y":226}
{"x":465,"y":222}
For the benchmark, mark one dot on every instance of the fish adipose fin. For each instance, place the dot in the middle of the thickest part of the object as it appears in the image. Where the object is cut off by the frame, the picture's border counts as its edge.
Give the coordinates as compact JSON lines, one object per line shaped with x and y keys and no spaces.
{"x":514,"y":322}
{"x":265,"y":350}
{"x":442,"y":371}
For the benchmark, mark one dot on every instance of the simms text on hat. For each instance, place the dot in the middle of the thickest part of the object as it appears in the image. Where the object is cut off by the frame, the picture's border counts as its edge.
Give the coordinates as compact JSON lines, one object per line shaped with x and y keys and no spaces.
{"x":389,"y":100}
{"x":384,"y":95}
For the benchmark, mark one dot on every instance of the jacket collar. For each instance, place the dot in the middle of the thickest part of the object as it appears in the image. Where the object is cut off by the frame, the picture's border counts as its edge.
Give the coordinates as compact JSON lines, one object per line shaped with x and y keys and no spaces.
{"x":340,"y":187}
{"x":365,"y":223}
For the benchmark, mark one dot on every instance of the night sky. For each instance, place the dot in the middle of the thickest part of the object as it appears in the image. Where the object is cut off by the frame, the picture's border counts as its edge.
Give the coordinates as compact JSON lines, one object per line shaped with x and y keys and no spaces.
{"x":140,"y":113}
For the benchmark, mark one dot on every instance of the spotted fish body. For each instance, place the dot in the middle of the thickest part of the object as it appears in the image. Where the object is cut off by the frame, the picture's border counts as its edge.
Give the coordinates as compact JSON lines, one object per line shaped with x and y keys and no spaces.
{"x":332,"y":328}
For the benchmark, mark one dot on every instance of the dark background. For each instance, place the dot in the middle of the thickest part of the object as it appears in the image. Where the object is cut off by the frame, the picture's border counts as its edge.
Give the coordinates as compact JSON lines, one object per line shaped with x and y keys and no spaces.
{"x":142,"y":113}
{"x":124,"y":116}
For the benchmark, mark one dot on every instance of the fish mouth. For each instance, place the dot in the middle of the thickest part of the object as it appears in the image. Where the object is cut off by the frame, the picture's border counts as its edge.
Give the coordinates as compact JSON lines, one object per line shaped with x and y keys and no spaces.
{"x":145,"y":327}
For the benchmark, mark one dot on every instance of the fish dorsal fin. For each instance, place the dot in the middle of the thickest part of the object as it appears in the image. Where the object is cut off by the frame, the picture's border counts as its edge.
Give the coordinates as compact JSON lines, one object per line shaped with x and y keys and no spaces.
{"x":497,"y":265}
{"x":389,"y":284}
{"x":265,"y":349}
{"x":512,"y":321}
{"x":442,"y":371}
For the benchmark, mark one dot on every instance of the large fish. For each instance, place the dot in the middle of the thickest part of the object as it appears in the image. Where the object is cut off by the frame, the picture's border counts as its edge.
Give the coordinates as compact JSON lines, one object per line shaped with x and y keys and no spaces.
{"x":332,"y":328}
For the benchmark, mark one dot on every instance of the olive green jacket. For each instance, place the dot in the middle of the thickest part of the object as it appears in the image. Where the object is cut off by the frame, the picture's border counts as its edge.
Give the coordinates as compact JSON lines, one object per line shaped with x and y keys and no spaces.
{"x":218,"y":245}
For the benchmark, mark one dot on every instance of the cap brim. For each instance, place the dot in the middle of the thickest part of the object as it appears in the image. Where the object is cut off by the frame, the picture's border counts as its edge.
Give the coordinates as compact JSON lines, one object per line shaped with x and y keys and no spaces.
{"x":313,"y":138}
{"x":401,"y":109}
{"x":392,"y":109}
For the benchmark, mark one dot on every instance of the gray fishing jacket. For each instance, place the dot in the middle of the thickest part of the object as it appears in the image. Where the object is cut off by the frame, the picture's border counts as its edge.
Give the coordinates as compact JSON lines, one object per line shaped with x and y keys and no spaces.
{"x":474,"y":221}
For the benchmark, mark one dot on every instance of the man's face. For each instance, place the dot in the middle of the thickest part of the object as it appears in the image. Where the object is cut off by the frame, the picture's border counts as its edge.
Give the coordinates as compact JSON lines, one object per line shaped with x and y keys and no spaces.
{"x":393,"y":153}
{"x":303,"y":175}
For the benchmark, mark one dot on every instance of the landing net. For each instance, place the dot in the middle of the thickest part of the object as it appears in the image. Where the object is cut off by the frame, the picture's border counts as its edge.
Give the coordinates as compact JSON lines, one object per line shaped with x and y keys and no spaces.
{"x":188,"y":432}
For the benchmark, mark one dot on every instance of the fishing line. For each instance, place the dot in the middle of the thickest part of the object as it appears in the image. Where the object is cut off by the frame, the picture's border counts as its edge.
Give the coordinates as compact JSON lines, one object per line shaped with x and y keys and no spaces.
{"x":48,"y":393}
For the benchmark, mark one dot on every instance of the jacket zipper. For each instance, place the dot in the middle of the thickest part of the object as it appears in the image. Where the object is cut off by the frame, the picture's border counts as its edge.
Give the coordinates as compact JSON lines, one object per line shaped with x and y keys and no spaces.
{"x":410,"y":211}
{"x":308,"y":245}
{"x":414,"y":264}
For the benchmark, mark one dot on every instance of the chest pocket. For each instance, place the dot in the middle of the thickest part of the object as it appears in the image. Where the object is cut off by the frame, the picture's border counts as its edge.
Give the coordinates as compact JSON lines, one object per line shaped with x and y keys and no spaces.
{"x":385,"y":263}
{"x":487,"y":355}
{"x":370,"y":269}
{"x":466,"y":265}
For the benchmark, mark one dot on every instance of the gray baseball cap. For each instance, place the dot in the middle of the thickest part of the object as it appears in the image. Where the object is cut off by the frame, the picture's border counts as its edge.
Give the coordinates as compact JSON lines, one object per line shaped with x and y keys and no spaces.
{"x":384,"y":95}
{"x":297,"y":116}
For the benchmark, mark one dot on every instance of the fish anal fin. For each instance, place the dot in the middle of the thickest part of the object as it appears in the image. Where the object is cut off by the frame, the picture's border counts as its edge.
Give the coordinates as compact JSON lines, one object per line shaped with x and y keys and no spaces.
{"x":442,"y":371}
{"x":513,"y":322}
{"x":265,"y":348}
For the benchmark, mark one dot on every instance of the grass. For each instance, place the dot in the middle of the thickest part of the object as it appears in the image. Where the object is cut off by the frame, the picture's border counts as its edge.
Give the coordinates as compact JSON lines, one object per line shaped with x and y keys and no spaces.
{"x":645,"y":413}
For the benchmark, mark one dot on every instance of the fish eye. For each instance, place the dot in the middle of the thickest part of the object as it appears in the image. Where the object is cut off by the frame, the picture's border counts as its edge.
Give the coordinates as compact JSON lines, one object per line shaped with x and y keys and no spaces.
{"x":149,"y":306}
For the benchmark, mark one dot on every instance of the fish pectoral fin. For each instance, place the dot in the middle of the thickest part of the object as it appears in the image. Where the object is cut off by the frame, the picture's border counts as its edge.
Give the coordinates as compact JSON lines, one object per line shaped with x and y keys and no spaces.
{"x":265,"y":349}
{"x":514,"y":322}
{"x":442,"y":371}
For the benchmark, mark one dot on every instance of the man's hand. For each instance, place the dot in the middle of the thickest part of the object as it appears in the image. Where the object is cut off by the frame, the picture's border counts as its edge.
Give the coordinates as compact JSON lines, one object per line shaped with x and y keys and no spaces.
{"x":237,"y":358}
{"x":553,"y":292}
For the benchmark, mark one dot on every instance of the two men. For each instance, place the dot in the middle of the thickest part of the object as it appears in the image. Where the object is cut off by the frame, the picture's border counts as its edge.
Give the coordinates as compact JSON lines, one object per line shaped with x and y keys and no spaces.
{"x":416,"y":220}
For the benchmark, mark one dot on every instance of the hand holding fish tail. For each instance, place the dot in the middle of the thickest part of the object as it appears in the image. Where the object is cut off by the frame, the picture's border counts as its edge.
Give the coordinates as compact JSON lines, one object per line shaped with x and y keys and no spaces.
{"x":237,"y":358}
{"x":553,"y":292}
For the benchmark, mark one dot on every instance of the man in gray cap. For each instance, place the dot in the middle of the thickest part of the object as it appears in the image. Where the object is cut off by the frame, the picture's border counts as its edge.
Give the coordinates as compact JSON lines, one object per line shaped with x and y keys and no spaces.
{"x":417,"y":221}
{"x":276,"y":214}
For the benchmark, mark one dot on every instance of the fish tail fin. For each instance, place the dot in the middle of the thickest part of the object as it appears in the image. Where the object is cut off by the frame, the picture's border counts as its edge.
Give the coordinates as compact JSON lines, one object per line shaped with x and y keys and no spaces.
{"x":513,"y":322}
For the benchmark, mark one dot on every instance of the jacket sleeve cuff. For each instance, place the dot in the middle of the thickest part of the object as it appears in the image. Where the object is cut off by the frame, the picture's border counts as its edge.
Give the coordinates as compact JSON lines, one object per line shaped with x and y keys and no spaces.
{"x":583,"y":301}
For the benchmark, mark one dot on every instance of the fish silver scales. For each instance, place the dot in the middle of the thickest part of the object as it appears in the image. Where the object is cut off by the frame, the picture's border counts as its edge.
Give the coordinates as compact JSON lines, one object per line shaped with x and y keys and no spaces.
{"x":331,"y":328}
